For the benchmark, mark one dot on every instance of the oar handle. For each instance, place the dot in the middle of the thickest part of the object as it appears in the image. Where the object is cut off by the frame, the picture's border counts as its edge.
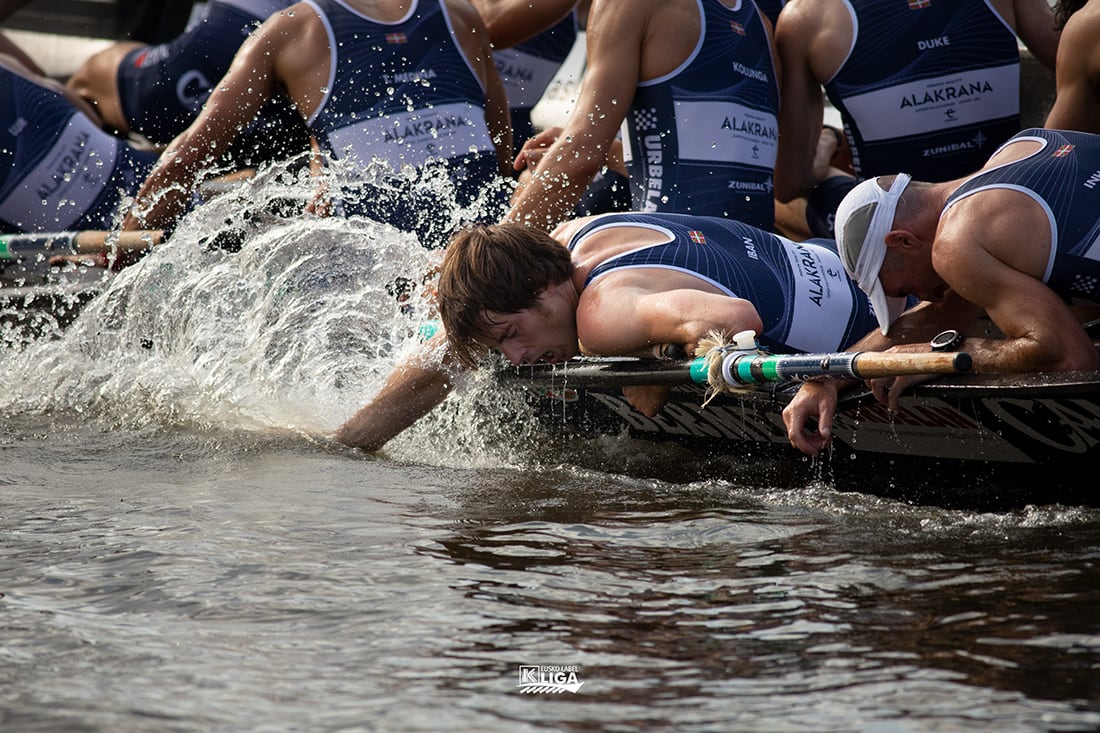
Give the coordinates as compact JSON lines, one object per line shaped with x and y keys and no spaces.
{"x":94,"y":242}
{"x":870,"y":364}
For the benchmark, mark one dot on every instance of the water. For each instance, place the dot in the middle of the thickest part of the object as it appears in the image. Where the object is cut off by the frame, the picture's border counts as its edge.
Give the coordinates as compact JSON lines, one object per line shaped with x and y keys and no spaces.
{"x":181,"y":549}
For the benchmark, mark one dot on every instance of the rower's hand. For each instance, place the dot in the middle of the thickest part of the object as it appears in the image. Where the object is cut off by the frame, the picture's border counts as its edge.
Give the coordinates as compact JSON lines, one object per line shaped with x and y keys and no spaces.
{"x":648,"y":400}
{"x":532,"y":151}
{"x":817,"y":401}
{"x":889,"y":390}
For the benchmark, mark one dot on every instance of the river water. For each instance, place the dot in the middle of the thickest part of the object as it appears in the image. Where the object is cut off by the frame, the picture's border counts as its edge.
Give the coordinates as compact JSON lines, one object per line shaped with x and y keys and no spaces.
{"x":182,"y":548}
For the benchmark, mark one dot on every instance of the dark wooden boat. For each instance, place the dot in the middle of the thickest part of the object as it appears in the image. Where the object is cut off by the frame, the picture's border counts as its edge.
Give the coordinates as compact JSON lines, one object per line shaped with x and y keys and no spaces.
{"x":957,"y":440}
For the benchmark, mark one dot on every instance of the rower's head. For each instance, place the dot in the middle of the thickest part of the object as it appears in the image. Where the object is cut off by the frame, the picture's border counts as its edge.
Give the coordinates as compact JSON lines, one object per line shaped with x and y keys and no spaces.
{"x":863,"y":219}
{"x":496,"y":289}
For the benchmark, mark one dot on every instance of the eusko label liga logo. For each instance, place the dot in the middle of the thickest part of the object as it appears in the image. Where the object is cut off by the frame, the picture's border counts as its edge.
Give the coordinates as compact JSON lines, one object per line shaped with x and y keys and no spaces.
{"x":534,"y":678}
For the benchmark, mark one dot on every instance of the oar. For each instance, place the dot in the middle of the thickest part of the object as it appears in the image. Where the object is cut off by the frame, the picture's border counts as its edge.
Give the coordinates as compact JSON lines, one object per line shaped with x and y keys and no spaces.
{"x":741,"y":369}
{"x":24,"y":246}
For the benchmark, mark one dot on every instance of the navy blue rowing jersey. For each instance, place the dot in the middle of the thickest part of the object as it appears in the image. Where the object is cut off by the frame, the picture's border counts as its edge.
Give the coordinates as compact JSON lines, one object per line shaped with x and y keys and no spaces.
{"x":58,"y":170}
{"x":403,"y":93}
{"x":929,"y":87}
{"x":702,"y":139}
{"x":1063,"y":177}
{"x":800,"y":290}
{"x":162,"y":88}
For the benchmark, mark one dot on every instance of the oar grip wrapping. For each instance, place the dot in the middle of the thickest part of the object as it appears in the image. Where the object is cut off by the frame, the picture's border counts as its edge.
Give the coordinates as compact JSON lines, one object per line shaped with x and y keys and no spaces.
{"x":873,"y":364}
{"x":92,"y":241}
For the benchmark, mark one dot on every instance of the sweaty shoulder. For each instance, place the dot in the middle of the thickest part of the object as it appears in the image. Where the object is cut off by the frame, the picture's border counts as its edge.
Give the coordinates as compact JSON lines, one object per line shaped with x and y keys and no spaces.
{"x":645,"y":25}
{"x":464,"y":16}
{"x":297,"y":41}
{"x":1012,"y":150}
{"x":470,"y":31}
{"x":821,"y":31}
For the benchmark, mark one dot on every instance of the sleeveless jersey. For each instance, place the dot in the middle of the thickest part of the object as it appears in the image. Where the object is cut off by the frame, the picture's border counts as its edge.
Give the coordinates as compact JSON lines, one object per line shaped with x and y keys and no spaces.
{"x":929,"y":87}
{"x":401,"y":92}
{"x":1063,"y":177}
{"x":800,"y":290}
{"x":702,"y":139}
{"x":527,"y":70}
{"x":162,"y":88}
{"x":58,"y":170}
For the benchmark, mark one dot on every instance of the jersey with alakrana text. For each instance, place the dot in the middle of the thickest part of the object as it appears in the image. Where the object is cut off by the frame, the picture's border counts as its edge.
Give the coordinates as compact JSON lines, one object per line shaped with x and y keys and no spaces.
{"x":702,"y":139}
{"x":929,"y":87}
{"x":403,"y":92}
{"x":800,"y":290}
{"x":58,"y":170}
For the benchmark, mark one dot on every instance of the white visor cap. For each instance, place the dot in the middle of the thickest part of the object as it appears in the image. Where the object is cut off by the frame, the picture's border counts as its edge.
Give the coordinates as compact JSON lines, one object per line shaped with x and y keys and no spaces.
{"x":863,"y":219}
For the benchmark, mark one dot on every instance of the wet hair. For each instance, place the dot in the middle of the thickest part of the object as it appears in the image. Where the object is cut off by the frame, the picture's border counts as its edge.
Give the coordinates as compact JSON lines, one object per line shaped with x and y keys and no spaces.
{"x":500,"y":268}
{"x":1063,"y":9}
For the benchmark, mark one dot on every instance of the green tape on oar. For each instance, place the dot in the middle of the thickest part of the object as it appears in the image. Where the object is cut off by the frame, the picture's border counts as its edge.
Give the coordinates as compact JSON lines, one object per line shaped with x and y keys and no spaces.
{"x":22,"y":246}
{"x":745,"y":369}
{"x":739,"y":369}
{"x":428,"y":329}
{"x":697,"y":370}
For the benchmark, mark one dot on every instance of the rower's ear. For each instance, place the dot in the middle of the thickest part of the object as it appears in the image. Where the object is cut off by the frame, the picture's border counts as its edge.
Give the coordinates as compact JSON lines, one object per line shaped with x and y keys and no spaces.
{"x":902,"y":238}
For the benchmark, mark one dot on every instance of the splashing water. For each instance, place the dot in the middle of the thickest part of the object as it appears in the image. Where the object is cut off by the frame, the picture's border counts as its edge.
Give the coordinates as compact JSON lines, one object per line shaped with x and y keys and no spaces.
{"x":294,"y":331}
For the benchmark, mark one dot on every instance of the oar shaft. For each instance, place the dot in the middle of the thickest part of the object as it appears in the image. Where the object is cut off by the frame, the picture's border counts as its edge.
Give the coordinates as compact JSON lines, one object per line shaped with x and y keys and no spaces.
{"x":740,"y":369}
{"x":21,"y":246}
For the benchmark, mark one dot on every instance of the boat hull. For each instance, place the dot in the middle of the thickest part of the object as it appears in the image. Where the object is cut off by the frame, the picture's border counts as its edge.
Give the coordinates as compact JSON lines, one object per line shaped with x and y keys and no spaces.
{"x":958,"y":440}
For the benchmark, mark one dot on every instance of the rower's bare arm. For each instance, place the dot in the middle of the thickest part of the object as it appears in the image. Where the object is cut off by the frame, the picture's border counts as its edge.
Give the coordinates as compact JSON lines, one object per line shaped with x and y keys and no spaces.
{"x":1035,"y":26}
{"x":474,"y":39}
{"x":629,"y":321}
{"x":800,"y":115}
{"x":978,"y":261}
{"x":614,"y":46}
{"x":193,"y":155}
{"x":411,"y":391}
{"x":271,"y":55}
{"x":511,"y":22}
{"x":616,"y":320}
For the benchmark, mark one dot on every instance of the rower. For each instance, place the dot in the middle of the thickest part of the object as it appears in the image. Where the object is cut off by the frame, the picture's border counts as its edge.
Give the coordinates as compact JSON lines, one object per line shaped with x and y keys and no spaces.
{"x":931,"y":88}
{"x":41,"y":191}
{"x":437,"y":111}
{"x":154,"y":92}
{"x":1077,"y":101}
{"x":622,"y":284}
{"x":1013,"y":242}
{"x":696,"y":139}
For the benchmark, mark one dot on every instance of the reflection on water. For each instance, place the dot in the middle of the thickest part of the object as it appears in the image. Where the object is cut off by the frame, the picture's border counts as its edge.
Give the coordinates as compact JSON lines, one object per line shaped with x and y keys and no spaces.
{"x":216,"y":581}
{"x":182,"y":550}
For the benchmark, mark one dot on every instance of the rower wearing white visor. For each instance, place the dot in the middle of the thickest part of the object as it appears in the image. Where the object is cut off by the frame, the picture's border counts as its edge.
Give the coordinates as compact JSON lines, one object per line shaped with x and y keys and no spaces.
{"x":1018,"y":241}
